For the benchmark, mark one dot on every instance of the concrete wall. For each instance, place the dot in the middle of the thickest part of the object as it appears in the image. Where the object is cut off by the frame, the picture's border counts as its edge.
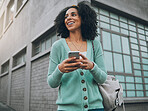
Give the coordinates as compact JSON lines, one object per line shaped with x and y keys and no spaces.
{"x":25,"y":88}
{"x":137,"y":8}
{"x":3,"y":88}
{"x":42,"y":97}
{"x":17,"y":89}
{"x":134,"y":107}
{"x":35,"y":18}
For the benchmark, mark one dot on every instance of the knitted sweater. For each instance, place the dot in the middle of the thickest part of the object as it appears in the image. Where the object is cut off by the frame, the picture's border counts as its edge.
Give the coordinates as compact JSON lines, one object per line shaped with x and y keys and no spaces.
{"x":78,"y":90}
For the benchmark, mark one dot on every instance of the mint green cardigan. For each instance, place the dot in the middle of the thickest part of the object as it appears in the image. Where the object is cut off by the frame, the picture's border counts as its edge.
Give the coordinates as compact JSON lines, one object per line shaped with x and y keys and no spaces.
{"x":77,"y":91}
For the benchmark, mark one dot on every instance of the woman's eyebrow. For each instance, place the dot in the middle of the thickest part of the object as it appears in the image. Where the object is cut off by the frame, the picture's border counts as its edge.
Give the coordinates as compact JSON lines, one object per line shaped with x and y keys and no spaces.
{"x":71,"y":13}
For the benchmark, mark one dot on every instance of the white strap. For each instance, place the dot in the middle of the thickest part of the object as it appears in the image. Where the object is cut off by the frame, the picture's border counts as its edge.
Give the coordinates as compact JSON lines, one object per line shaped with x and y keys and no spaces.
{"x":123,"y":106}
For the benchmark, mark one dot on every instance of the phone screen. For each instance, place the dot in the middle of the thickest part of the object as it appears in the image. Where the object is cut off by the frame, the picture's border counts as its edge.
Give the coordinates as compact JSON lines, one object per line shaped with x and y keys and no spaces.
{"x":73,"y":54}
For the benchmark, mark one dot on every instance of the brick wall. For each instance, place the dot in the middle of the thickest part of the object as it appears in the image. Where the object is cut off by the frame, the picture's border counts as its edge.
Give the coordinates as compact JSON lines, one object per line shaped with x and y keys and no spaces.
{"x":3,"y":88}
{"x":17,"y":89}
{"x":42,"y":97}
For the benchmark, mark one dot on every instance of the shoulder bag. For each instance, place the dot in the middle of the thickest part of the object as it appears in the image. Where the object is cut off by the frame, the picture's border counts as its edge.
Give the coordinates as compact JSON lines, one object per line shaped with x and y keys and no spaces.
{"x":112,"y":92}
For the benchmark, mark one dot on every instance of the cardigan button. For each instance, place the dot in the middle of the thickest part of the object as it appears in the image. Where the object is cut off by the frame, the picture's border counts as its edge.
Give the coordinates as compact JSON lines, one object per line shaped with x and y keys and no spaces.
{"x":81,"y":73}
{"x":84,"y":89}
{"x":86,"y":106}
{"x":85,"y":97}
{"x":83,"y":81}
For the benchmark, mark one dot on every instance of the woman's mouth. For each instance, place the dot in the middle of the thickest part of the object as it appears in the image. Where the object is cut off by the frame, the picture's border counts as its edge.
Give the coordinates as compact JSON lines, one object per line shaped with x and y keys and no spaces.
{"x":70,"y":23}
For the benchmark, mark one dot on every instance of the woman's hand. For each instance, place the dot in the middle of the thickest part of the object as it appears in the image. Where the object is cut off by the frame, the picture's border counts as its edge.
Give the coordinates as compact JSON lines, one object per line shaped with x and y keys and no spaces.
{"x":85,"y":63}
{"x":69,"y":65}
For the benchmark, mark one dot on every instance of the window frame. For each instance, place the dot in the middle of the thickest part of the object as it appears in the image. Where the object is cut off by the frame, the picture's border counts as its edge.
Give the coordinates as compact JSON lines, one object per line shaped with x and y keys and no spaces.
{"x":21,"y":55}
{"x":2,"y":22}
{"x":5,"y":67}
{"x":121,"y":35}
{"x":135,"y":38}
{"x":50,"y":34}
{"x":18,"y":10}
{"x":9,"y":6}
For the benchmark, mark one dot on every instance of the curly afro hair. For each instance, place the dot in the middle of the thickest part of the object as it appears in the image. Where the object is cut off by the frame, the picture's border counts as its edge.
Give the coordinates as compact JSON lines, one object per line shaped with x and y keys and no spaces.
{"x":88,"y":22}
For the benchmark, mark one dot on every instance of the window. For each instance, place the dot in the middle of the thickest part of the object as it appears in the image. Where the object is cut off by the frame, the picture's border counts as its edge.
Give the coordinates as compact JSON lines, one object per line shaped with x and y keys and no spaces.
{"x":20,"y":3}
{"x":5,"y":67}
{"x":125,"y":46}
{"x":19,"y":58}
{"x":117,"y":47}
{"x":10,"y":12}
{"x":44,"y":42}
{"x":1,"y":2}
{"x":1,"y":22}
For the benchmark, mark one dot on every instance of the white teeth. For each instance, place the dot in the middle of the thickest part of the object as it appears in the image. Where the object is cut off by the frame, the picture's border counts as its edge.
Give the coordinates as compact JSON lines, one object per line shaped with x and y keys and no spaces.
{"x":70,"y":23}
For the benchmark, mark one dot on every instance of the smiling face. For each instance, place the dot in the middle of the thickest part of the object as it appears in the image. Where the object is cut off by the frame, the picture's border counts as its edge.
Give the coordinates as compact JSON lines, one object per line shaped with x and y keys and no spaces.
{"x":72,"y":20}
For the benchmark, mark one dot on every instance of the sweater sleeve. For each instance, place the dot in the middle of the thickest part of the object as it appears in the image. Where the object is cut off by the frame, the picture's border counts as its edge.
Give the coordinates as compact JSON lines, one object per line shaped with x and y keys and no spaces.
{"x":54,"y":74}
{"x":99,"y":71}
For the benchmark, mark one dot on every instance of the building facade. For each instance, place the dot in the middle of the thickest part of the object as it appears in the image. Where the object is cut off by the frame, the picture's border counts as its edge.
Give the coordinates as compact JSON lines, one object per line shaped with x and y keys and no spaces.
{"x":27,"y":33}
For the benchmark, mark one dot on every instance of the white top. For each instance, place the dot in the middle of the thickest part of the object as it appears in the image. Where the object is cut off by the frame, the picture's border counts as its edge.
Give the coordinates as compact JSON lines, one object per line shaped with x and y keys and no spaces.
{"x":83,"y":53}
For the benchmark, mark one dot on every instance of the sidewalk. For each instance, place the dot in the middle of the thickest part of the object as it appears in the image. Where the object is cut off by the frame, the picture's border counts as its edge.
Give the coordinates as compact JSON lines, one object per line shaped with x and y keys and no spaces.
{"x":4,"y":107}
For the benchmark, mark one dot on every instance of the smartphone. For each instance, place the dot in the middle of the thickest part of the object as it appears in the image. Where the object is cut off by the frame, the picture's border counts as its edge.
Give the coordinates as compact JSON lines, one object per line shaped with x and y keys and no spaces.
{"x":73,"y":54}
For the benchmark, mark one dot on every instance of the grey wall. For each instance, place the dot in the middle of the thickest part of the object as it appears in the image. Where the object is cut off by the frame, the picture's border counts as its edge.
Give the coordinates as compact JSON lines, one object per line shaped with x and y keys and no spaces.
{"x":134,"y":107}
{"x":138,"y":8}
{"x":42,"y":97}
{"x":36,"y":17}
{"x":3,"y":89}
{"x":17,"y":89}
{"x":25,"y":88}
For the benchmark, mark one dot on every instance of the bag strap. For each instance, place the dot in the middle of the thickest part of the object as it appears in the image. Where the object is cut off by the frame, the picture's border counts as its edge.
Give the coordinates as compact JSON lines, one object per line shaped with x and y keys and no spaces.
{"x":123,"y":106}
{"x":93,"y":50}
{"x":94,"y":60}
{"x":93,"y":46}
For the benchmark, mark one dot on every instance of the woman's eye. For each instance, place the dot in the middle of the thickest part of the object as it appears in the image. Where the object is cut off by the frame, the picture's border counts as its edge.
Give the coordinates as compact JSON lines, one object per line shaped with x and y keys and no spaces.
{"x":73,"y":14}
{"x":66,"y":17}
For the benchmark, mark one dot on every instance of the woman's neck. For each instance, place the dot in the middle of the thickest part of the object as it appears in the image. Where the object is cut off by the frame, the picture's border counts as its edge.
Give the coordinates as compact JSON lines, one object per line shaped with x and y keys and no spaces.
{"x":75,"y":36}
{"x":75,"y":42}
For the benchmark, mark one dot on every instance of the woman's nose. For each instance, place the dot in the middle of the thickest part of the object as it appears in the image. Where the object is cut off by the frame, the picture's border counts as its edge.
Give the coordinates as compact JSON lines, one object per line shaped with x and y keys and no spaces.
{"x":69,"y":17}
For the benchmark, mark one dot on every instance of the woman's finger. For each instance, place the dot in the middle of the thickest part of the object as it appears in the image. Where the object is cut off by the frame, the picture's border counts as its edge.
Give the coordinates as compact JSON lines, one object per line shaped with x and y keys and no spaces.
{"x":84,"y":61}
{"x":71,"y":68}
{"x":72,"y":64}
{"x":82,"y":56}
{"x":70,"y":59}
{"x":83,"y":65}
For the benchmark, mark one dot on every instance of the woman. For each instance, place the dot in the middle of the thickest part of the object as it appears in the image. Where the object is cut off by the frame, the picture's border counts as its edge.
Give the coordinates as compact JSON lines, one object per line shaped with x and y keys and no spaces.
{"x":77,"y":78}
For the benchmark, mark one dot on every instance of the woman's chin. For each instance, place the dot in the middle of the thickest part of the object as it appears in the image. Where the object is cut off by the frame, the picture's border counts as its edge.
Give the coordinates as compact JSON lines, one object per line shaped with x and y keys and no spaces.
{"x":72,"y":29}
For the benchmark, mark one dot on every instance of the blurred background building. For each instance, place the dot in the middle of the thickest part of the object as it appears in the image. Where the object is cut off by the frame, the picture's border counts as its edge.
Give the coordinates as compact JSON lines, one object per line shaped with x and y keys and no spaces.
{"x":27,"y":33}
